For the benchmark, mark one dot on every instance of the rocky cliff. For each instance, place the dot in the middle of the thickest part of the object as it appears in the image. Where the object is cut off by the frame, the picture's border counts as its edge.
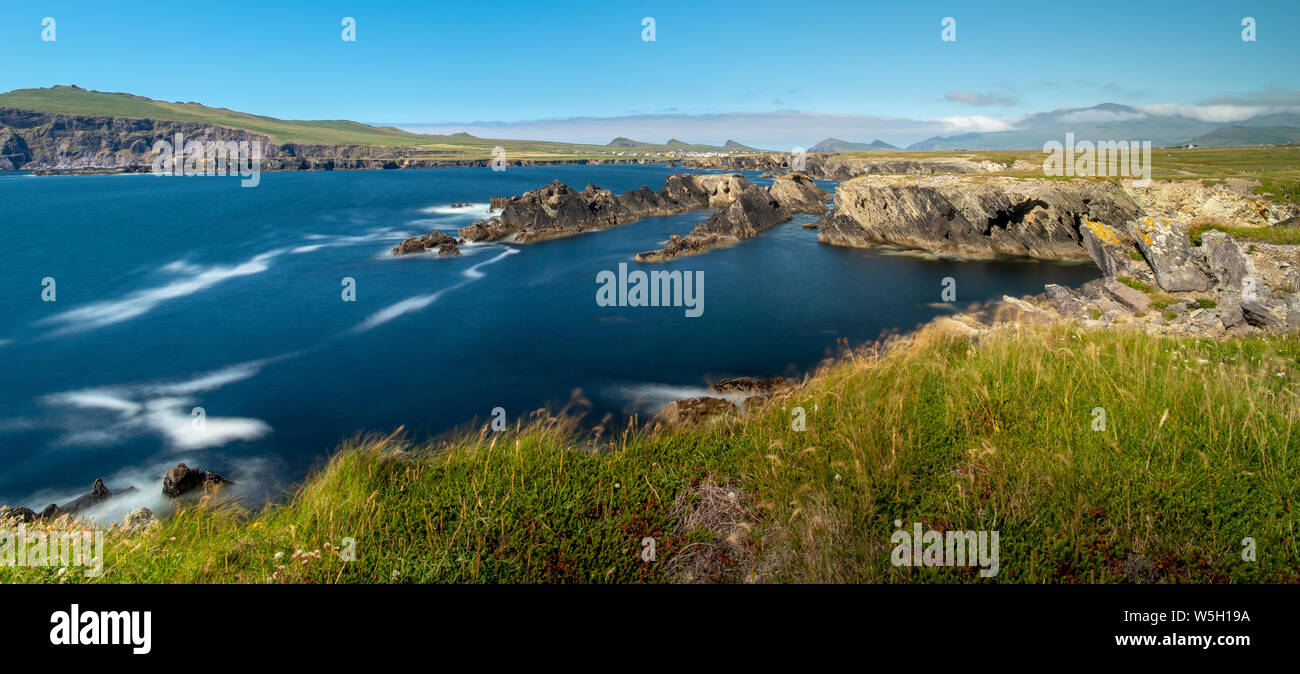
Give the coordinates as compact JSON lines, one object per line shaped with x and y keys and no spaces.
{"x":973,"y":217}
{"x":754,"y":210}
{"x":49,"y":142}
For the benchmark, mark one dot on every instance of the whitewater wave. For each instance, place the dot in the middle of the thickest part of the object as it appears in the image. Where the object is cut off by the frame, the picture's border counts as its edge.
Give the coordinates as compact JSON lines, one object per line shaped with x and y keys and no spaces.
{"x":193,"y":279}
{"x":480,"y":211}
{"x":402,"y":308}
{"x":649,"y":398}
{"x":166,"y":409}
{"x":249,"y":476}
{"x":419,"y":302}
{"x":335,"y":240}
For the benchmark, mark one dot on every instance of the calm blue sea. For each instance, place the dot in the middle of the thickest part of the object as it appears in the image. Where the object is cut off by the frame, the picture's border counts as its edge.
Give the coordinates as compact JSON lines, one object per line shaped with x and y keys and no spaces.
{"x":181,"y":293}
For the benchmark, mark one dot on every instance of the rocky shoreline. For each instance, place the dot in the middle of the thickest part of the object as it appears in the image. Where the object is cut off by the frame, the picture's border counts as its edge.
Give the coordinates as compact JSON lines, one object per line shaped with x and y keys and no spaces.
{"x":557,"y":211}
{"x":176,"y":483}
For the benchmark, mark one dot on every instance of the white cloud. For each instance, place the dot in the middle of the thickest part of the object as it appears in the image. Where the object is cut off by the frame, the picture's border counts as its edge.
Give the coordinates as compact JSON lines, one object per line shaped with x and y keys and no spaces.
{"x":1101,"y":116}
{"x":1220,"y":113}
{"x":977,"y":124}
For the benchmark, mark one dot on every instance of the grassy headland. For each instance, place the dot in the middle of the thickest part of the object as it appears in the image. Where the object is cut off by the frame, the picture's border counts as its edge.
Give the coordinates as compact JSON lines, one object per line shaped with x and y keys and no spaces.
{"x":1200,"y":449}
{"x":450,"y":147}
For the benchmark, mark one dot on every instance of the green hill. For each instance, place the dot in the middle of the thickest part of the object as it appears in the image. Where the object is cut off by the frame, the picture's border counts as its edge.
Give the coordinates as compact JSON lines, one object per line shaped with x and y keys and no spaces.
{"x":837,"y":145}
{"x":73,"y":100}
{"x":1238,"y":136}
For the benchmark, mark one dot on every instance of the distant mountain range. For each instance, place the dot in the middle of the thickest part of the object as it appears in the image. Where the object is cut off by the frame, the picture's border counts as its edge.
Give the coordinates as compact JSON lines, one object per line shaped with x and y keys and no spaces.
{"x":1110,"y":121}
{"x":837,"y":145}
{"x":674,"y":145}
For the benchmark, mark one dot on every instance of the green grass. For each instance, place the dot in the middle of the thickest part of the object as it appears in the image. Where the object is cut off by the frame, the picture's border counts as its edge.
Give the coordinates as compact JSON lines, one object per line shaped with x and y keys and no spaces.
{"x":1135,"y":284}
{"x":1281,"y":235}
{"x":1277,"y":168}
{"x":1279,"y":190}
{"x":1200,"y":450}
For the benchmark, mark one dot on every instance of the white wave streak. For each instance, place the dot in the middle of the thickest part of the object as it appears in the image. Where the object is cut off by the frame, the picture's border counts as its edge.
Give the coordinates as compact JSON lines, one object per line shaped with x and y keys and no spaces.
{"x":100,"y":314}
{"x":419,"y":302}
{"x":163,"y":408}
{"x":406,"y":306}
{"x":331,"y":241}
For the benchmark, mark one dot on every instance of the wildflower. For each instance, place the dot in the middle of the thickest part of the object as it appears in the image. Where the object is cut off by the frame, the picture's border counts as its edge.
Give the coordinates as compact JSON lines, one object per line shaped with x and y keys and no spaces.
{"x":279,"y":554}
{"x":396,"y":573}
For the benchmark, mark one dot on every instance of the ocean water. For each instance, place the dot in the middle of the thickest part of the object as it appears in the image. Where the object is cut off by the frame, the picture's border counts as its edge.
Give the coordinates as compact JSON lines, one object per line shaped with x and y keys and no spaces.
{"x":181,"y":293}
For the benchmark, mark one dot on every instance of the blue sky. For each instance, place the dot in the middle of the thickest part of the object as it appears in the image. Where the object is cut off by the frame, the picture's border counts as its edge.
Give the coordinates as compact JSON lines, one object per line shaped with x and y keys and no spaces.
{"x":443,"y":64}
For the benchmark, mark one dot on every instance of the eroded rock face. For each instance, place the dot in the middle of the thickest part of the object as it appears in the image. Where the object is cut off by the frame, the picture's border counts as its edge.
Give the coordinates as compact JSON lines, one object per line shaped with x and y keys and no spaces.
{"x":1166,"y":246}
{"x":975,"y":218}
{"x":798,"y":193}
{"x":1231,"y":200}
{"x":1227,"y":262}
{"x":1111,"y":248}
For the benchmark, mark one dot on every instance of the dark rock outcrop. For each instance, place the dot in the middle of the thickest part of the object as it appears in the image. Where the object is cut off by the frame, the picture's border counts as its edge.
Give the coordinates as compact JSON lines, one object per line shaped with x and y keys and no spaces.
{"x":749,"y":385}
{"x":558,"y":210}
{"x":693,"y":410}
{"x":98,"y":494}
{"x":18,"y":515}
{"x":182,"y":479}
{"x":443,"y":243}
